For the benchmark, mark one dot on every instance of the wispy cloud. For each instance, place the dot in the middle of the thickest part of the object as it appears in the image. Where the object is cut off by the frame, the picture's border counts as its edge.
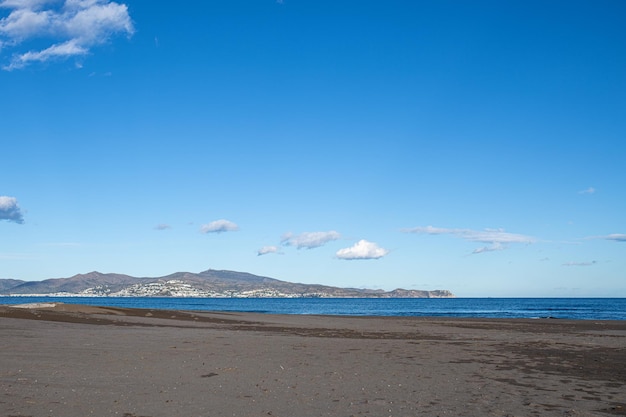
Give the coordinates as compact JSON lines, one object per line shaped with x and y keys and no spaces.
{"x":10,"y":210}
{"x":494,"y":247}
{"x":580,"y":263}
{"x":267,"y":250}
{"x":589,"y":190}
{"x":162,"y":226}
{"x":497,"y":239}
{"x":618,"y":237}
{"x":309,"y":240}
{"x":69,"y":28}
{"x":362,"y":250}
{"x":219,"y":226}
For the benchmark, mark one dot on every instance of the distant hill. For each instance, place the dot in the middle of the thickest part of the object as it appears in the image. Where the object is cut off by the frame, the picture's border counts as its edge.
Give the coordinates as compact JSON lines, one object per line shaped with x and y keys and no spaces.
{"x":7,"y":284}
{"x":210,"y":283}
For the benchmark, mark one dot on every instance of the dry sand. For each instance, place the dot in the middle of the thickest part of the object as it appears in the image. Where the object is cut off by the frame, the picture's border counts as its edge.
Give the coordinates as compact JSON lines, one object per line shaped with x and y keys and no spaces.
{"x":77,"y":361}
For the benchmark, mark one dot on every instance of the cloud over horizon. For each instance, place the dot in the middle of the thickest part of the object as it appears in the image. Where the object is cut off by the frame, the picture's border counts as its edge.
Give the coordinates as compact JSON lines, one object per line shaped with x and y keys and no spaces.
{"x":267,"y":249}
{"x":589,"y":190}
{"x":362,"y":250}
{"x":615,"y":237}
{"x":10,"y":210}
{"x":492,"y":248}
{"x":219,"y":226}
{"x":66,"y":29}
{"x":309,"y":240}
{"x":618,"y":237}
{"x":579,"y":263}
{"x":497,"y":239}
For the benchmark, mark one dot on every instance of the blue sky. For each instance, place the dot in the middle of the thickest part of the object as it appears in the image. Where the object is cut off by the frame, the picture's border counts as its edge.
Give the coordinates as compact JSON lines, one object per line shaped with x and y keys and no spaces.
{"x":477,"y":147}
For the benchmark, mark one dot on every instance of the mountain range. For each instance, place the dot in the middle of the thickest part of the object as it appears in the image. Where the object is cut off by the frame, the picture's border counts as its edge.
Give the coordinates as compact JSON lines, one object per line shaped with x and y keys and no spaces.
{"x":210,"y":283}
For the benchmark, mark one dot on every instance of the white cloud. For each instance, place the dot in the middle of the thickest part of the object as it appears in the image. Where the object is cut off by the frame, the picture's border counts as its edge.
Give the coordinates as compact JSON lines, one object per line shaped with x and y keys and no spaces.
{"x":64,"y":50}
{"x":67,"y":28}
{"x":267,"y":249}
{"x":10,"y":210}
{"x":309,"y":240}
{"x":24,"y":23}
{"x":219,"y":226}
{"x":30,"y":4}
{"x":362,"y":250}
{"x":618,"y":237}
{"x":589,"y":190}
{"x":483,"y":236}
{"x":497,"y":239}
{"x":496,"y":246}
{"x":579,"y":263}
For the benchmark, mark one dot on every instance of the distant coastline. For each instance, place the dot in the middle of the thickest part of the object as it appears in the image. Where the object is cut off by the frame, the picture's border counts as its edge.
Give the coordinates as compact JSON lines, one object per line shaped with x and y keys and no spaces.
{"x":206,"y":284}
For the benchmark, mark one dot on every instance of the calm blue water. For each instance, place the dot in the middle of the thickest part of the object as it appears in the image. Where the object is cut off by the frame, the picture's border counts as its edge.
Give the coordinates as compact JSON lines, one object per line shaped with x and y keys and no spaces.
{"x":561,"y":308}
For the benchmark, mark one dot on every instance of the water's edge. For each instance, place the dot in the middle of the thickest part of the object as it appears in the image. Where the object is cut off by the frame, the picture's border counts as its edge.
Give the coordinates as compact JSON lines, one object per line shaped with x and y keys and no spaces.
{"x":558,"y":308}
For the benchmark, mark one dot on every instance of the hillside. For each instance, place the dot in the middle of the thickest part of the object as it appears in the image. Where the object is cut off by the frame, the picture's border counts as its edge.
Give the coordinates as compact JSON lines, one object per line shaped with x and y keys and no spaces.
{"x":209,"y":283}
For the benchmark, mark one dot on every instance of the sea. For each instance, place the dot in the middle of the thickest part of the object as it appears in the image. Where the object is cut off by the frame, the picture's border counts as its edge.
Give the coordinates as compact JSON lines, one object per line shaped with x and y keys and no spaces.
{"x":530,"y":308}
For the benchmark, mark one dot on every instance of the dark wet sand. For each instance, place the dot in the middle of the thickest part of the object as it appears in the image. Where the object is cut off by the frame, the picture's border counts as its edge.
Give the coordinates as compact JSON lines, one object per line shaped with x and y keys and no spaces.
{"x":77,"y":361}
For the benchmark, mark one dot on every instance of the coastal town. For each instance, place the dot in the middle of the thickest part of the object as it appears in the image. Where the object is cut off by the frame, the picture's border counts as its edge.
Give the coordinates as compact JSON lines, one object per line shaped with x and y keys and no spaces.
{"x":178,"y":288}
{"x":206,"y":284}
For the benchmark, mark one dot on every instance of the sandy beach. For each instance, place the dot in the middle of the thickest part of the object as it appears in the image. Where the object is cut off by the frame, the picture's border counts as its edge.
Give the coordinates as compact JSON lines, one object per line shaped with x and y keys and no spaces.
{"x":75,"y":361}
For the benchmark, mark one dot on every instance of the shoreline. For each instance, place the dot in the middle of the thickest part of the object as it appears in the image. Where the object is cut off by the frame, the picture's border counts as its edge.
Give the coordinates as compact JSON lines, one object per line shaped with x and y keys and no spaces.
{"x":74,"y":360}
{"x":534,"y":308}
